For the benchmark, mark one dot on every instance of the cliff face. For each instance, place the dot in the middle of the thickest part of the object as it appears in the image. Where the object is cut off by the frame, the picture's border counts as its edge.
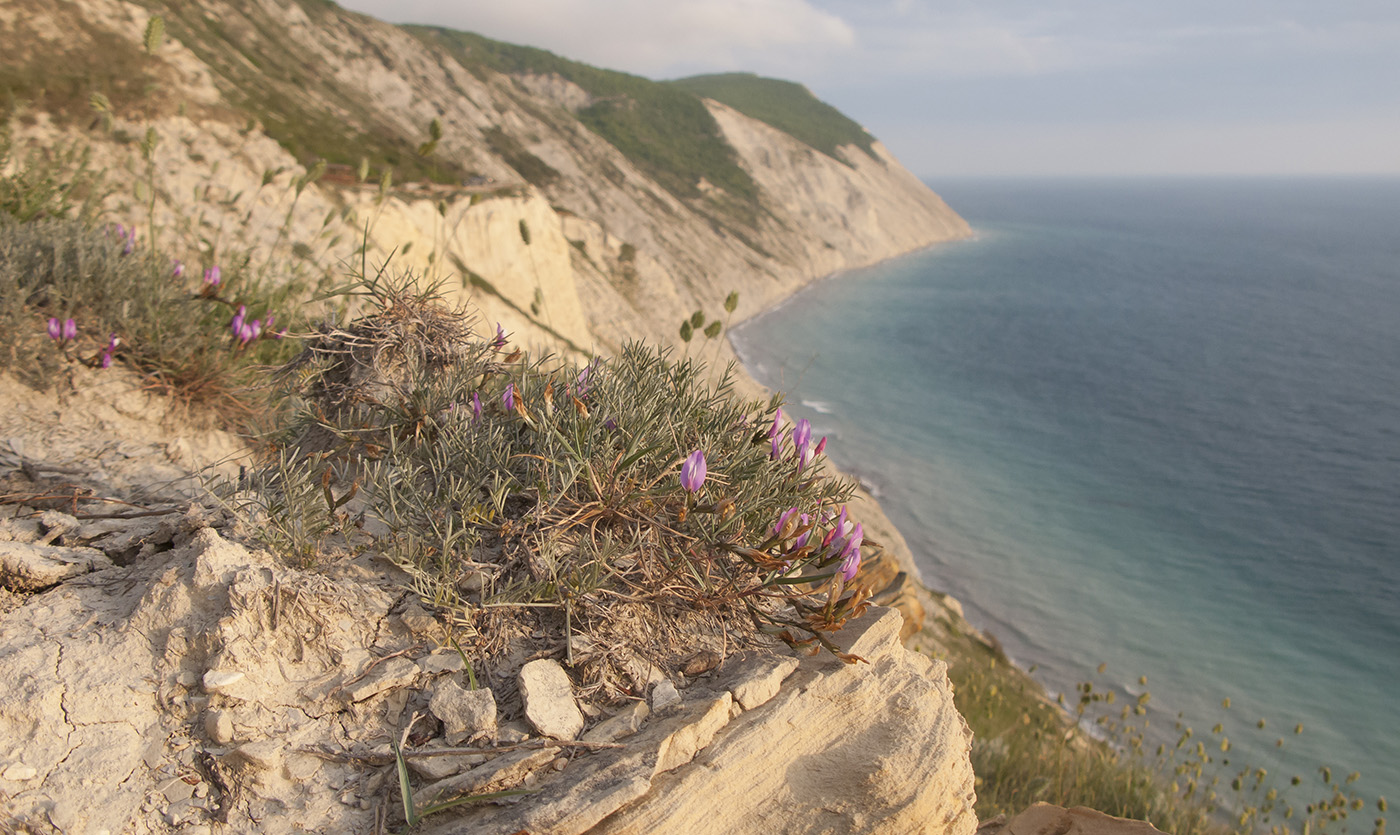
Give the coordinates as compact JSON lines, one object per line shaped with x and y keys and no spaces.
{"x":574,"y":237}
{"x":527,"y":186}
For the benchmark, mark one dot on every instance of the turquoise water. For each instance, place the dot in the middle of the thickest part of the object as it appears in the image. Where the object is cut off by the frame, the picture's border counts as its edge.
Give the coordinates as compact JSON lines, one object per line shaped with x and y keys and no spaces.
{"x":1153,"y":424}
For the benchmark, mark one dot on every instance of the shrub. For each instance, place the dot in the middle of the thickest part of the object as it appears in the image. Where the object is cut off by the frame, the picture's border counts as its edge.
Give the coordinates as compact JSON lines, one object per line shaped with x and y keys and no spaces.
{"x":137,"y":307}
{"x":627,"y":509}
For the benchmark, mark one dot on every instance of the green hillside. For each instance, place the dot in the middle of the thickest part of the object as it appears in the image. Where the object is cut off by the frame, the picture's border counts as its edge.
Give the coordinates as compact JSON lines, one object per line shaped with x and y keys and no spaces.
{"x":787,"y":106}
{"x":664,"y":130}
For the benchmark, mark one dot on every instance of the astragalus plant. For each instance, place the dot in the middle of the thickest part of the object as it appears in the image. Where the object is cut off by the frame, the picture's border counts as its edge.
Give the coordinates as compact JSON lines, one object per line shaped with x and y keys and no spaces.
{"x":621,"y":514}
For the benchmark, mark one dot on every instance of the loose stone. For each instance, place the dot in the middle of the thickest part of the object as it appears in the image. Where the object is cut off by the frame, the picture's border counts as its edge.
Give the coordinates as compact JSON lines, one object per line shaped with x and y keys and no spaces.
{"x":465,"y":714}
{"x":549,"y":702}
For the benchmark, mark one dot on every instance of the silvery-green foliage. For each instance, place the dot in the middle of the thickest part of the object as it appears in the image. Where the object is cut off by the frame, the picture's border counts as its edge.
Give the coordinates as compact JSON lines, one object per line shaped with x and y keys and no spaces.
{"x":498,"y":479}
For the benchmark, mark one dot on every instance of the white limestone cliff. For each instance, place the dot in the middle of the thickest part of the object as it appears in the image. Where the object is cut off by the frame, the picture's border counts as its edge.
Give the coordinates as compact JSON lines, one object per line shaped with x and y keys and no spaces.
{"x":120,"y":680}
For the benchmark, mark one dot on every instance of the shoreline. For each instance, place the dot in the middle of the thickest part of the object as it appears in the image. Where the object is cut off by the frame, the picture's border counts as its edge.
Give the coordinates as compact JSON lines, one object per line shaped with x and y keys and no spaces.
{"x":972,"y":235}
{"x":937,"y":603}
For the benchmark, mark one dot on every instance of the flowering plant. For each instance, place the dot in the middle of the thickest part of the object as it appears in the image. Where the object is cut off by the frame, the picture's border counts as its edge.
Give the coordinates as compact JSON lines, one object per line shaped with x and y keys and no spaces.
{"x":627,"y":504}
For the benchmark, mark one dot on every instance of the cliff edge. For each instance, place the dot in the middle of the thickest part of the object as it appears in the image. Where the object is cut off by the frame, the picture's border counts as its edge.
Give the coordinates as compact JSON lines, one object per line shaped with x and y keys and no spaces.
{"x":161,"y":677}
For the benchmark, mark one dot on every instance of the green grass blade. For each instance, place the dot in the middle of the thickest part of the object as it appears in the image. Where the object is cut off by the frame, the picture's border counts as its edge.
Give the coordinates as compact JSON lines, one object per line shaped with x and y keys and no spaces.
{"x":410,"y":813}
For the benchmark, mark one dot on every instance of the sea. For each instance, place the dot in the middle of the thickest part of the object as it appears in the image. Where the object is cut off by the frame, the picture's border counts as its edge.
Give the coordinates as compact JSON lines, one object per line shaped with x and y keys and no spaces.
{"x":1147,"y":424}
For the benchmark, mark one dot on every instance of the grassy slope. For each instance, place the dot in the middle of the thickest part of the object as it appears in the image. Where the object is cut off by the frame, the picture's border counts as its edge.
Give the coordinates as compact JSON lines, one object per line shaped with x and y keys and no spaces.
{"x":1024,"y":750}
{"x":787,"y":106}
{"x":267,"y":77}
{"x":60,"y":77}
{"x":666,"y":132}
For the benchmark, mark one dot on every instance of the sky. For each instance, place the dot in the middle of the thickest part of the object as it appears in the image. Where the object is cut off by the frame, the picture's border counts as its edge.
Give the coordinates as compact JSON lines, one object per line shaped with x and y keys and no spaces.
{"x":1020,"y":87}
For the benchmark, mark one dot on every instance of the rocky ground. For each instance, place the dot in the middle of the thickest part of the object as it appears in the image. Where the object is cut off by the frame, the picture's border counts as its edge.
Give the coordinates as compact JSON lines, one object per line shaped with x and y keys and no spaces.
{"x":159,"y":673}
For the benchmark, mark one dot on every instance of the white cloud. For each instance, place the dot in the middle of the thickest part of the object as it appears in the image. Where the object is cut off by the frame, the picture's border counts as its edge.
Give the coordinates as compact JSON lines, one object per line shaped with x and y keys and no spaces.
{"x":958,"y":39}
{"x":990,"y":49}
{"x":647,"y":37}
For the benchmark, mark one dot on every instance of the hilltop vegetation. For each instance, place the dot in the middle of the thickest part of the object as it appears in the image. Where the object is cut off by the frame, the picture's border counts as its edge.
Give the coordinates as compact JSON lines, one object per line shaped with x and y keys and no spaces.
{"x":665,"y":131}
{"x":789,"y":107}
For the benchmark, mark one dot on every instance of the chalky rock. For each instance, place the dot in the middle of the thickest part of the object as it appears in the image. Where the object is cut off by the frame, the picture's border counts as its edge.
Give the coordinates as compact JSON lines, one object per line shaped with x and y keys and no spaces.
{"x":219,"y":681}
{"x":19,"y":772}
{"x":758,"y":680}
{"x":263,"y":755}
{"x":874,"y":748}
{"x":627,"y":722}
{"x":663,"y":695}
{"x":417,"y":619}
{"x":391,"y":675}
{"x":440,"y":768}
{"x":31,"y":567}
{"x":439,"y":662}
{"x":218,"y":724}
{"x":548,"y":696}
{"x":465,"y":714}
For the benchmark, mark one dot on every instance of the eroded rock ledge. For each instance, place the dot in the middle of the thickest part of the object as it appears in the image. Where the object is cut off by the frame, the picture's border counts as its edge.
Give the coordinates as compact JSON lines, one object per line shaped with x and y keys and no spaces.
{"x":210,"y":686}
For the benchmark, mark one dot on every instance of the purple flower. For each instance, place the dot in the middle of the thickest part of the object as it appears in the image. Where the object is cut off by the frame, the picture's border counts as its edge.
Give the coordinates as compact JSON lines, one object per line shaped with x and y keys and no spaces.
{"x":212,"y":277}
{"x":106,"y":359}
{"x":70,"y":330}
{"x":801,"y":541}
{"x":850,"y":554}
{"x":610,"y":425}
{"x":802,"y":434}
{"x":783,"y":520}
{"x":243,"y":330}
{"x":500,"y":340}
{"x":838,"y":532}
{"x":130,"y":242}
{"x":509,"y":397}
{"x":55,"y":329}
{"x":476,"y":406}
{"x":777,"y":422}
{"x":179,"y":270}
{"x":821,"y":447}
{"x":581,"y":386}
{"x":247,"y":331}
{"x":776,"y":450}
{"x":112,"y":342}
{"x":693,"y":471}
